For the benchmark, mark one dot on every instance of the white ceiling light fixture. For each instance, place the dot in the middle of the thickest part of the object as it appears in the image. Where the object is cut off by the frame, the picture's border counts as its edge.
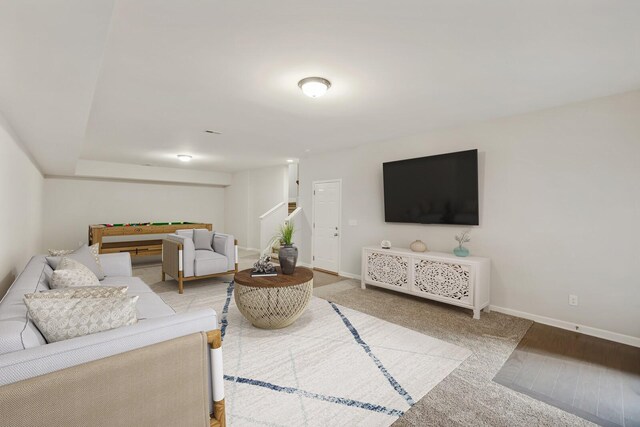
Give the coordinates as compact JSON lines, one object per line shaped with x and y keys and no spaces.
{"x":314,"y":87}
{"x":289,"y":160}
{"x":184,"y":157}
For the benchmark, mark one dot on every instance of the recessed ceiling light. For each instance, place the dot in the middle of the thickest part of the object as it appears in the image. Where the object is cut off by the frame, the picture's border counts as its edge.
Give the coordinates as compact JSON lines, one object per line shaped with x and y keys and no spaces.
{"x":213,"y":131}
{"x":314,"y":86}
{"x":184,"y":157}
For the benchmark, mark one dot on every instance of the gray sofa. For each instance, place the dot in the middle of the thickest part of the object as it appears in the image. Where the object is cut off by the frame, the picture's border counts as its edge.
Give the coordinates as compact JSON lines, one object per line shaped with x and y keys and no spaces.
{"x":109,"y":359}
{"x":182,"y":261}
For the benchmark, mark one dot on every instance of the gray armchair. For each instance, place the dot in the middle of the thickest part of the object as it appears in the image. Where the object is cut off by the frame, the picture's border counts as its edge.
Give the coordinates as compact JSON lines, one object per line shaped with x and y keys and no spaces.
{"x":182,"y":261}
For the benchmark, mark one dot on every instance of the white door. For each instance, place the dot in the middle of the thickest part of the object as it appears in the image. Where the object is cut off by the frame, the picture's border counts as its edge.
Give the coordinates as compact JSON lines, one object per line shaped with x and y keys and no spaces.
{"x":326,"y":225}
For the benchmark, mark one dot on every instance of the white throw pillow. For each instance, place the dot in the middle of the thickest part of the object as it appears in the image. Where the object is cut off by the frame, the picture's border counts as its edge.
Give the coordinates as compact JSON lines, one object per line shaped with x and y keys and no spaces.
{"x":70,"y":274}
{"x":82,"y":292}
{"x":63,"y":318}
{"x":203,"y":239}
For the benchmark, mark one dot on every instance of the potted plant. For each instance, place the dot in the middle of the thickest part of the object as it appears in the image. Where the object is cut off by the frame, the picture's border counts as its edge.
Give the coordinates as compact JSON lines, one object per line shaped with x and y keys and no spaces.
{"x":461,"y":238}
{"x":288,"y":254}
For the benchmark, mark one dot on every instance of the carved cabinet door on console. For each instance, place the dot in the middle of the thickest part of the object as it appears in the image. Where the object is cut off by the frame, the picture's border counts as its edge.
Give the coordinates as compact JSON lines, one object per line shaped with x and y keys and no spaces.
{"x":439,"y":276}
{"x":388,"y":269}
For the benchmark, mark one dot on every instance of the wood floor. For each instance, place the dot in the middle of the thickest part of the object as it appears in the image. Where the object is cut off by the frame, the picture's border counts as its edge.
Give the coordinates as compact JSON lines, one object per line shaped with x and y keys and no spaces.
{"x":590,"y":377}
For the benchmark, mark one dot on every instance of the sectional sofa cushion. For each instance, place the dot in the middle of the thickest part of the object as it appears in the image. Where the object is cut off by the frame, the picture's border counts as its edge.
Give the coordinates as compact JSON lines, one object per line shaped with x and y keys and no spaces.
{"x":63,"y":318}
{"x":202,"y":239}
{"x":150,"y":305}
{"x":17,"y":332}
{"x":71,"y":273}
{"x":85,"y":255}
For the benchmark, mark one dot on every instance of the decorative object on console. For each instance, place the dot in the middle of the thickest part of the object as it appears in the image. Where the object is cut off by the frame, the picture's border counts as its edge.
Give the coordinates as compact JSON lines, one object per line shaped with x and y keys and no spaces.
{"x":288,"y":254}
{"x":385,"y":244}
{"x":418,"y":246}
{"x":461,"y":238}
{"x":438,"y":276}
{"x":263,"y":267}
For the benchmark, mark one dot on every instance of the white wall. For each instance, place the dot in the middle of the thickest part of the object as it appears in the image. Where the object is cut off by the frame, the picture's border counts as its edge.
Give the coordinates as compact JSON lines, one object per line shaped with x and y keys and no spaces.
{"x":20,"y":207}
{"x":560,"y":205}
{"x":251,"y":194}
{"x":236,"y":208}
{"x":293,"y":185}
{"x":70,"y":205}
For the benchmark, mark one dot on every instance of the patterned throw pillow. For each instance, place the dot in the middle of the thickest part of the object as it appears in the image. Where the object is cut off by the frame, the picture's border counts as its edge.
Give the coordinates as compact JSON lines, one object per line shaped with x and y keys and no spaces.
{"x":72,"y":274}
{"x":82,"y":292}
{"x":85,"y":254}
{"x":63,"y":318}
{"x":60,"y":252}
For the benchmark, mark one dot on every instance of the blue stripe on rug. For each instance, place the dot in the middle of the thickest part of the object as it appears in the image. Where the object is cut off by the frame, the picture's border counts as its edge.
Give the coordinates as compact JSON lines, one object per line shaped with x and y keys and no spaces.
{"x":395,"y":384}
{"x":225,"y":310}
{"x":311,"y":395}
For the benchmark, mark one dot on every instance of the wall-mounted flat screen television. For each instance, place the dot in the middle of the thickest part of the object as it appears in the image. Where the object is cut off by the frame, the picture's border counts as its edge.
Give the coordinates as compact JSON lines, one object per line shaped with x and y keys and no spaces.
{"x":440,"y":189}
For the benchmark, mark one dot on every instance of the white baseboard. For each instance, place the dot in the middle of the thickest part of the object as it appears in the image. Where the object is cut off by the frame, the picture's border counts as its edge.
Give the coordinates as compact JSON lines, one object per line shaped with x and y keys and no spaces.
{"x":349,"y":275}
{"x":587,"y":330}
{"x":244,"y":248}
{"x":340,"y":273}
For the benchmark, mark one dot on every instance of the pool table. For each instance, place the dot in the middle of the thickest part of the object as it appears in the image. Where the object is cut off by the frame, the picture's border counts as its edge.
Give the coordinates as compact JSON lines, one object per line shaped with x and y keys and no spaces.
{"x":137,"y":247}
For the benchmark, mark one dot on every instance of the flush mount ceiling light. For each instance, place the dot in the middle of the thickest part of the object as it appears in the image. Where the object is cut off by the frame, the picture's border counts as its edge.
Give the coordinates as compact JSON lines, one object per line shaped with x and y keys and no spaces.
{"x":184,"y":157}
{"x":314,"y":86}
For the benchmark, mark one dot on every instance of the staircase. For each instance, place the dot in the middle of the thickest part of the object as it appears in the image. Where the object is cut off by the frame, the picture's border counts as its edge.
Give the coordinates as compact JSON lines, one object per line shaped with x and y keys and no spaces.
{"x":292,"y":207}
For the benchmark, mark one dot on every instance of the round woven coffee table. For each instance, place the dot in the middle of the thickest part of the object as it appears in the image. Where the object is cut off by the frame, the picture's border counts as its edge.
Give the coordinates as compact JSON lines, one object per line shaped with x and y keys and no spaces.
{"x":273,"y":302}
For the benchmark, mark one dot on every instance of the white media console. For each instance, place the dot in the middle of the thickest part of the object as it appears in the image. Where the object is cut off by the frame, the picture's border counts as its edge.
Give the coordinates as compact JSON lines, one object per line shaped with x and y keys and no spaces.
{"x":434,"y":275}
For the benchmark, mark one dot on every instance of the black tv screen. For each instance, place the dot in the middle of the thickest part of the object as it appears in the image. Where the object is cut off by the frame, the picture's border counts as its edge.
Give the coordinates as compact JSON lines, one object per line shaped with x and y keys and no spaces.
{"x":440,"y":189}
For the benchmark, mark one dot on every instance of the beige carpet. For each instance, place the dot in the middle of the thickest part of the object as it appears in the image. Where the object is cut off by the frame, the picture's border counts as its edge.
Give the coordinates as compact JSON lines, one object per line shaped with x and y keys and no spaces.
{"x":468,"y":396}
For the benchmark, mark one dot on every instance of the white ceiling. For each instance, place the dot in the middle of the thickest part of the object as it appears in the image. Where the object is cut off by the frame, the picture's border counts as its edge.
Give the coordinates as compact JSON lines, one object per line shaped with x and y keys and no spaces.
{"x":138,"y":81}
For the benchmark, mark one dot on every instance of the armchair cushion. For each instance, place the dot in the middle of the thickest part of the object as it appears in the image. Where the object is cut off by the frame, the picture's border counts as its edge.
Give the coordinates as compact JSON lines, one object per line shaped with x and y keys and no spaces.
{"x":208,"y":262}
{"x":203,"y":239}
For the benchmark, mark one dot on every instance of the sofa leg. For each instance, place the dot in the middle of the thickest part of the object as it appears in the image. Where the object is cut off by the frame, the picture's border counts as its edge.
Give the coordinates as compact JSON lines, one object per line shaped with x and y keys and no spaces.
{"x":180,"y":283}
{"x":218,"y":417}
{"x":163,"y":276}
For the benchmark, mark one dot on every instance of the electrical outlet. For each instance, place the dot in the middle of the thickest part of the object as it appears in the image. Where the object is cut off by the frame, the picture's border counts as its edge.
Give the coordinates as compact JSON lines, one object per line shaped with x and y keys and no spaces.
{"x":573,"y":299}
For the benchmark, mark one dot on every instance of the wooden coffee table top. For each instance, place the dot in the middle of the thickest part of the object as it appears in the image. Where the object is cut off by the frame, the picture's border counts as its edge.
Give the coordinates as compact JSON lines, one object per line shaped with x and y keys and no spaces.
{"x":300,"y":275}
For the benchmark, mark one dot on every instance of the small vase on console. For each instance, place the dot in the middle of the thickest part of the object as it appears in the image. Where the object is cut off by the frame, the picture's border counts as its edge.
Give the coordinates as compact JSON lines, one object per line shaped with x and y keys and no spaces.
{"x":461,"y":251}
{"x":418,"y":246}
{"x":461,"y":238}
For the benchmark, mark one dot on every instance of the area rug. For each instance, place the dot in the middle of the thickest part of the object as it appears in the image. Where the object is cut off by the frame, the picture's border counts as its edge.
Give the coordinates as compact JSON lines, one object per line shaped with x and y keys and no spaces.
{"x":334,"y":366}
